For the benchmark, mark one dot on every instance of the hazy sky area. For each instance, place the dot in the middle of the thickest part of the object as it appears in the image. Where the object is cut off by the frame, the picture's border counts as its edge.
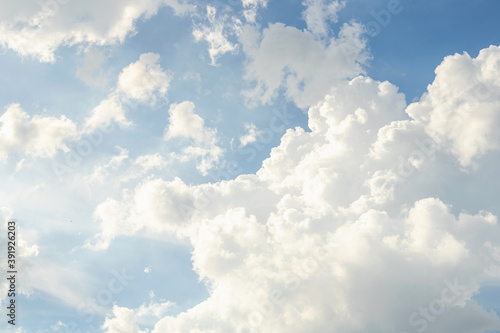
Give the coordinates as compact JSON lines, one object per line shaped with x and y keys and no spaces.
{"x":251,"y":166}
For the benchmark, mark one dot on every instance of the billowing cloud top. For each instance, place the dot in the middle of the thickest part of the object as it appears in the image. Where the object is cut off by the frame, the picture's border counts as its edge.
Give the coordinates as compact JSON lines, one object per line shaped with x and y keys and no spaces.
{"x":373,"y":215}
{"x":326,"y":236}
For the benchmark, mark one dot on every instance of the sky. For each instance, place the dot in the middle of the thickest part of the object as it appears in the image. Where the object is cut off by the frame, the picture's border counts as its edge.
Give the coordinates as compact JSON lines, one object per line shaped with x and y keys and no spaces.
{"x":251,"y":165}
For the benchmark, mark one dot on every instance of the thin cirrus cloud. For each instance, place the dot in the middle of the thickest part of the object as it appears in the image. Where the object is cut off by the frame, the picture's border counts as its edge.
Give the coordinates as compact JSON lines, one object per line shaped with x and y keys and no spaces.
{"x":319,"y":13}
{"x":216,"y":32}
{"x":251,"y":8}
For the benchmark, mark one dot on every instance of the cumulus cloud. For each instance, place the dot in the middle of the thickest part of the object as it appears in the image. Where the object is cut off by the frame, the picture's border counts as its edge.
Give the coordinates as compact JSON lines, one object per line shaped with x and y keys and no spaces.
{"x":39,"y":28}
{"x":294,"y":60}
{"x":332,"y":233}
{"x":185,"y":123}
{"x":460,"y":110}
{"x":36,"y":136}
{"x":142,"y":206}
{"x":143,"y":78}
{"x":142,"y":81}
{"x":109,"y":111}
{"x":43,"y":136}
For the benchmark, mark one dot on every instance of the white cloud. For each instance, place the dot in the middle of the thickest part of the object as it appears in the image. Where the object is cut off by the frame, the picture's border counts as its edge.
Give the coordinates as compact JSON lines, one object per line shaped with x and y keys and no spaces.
{"x":250,"y":136}
{"x":92,"y":72}
{"x":143,"y":81}
{"x":319,"y":12}
{"x":251,"y":7}
{"x":185,"y":123}
{"x":143,"y":78}
{"x":108,"y":111}
{"x":149,"y":162}
{"x":124,"y":321}
{"x":148,"y":314}
{"x":460,"y":110}
{"x":39,"y":28}
{"x":352,"y":226}
{"x":208,"y":157}
{"x":143,"y":205}
{"x":216,"y":32}
{"x":155,"y":310}
{"x":306,"y":68}
{"x":39,"y":136}
{"x":330,"y":234}
{"x":35,"y":136}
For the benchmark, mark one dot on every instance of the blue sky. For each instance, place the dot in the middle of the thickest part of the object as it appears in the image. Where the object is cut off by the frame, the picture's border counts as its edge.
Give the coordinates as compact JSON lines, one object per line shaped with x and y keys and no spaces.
{"x":207,"y":148}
